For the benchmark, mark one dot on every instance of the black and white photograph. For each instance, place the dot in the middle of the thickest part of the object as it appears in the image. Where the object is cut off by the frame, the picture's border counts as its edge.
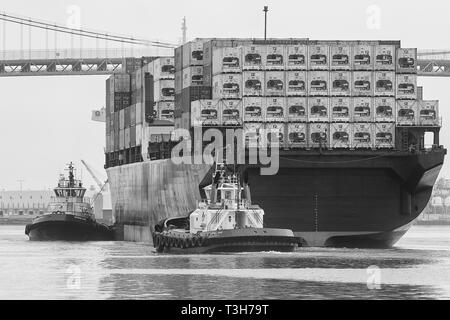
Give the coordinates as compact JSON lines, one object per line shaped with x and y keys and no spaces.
{"x":224,"y":155}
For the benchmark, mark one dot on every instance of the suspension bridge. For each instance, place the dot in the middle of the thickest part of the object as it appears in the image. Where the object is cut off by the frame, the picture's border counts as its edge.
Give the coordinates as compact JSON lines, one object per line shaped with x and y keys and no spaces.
{"x":77,"y":60}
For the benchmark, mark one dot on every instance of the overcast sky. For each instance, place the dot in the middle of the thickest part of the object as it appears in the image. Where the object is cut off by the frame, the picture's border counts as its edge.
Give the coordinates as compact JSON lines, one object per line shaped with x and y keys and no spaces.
{"x":45,"y":121}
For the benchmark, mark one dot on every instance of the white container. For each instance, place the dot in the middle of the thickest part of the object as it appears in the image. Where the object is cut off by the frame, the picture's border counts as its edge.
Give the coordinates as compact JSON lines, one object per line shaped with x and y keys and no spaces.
{"x":319,"y":57}
{"x":340,"y":135}
{"x":275,"y":57}
{"x":384,"y":83}
{"x":406,"y":60}
{"x":253,"y":83}
{"x":275,"y":110}
{"x":139,"y":133}
{"x":165,"y":110}
{"x":231,"y":112}
{"x":318,"y":135}
{"x":192,"y":77}
{"x":362,"y":109}
{"x":275,"y":83}
{"x":108,"y":144}
{"x":227,"y":86}
{"x":127,"y":138}
{"x":252,"y":134}
{"x":205,"y":113}
{"x":273,"y":131}
{"x":362,"y":83}
{"x":297,"y":135}
{"x":253,"y":109}
{"x":384,"y":109}
{"x":122,"y":139}
{"x":363,"y":57}
{"x":122,"y":119}
{"x":227,"y":60}
{"x":341,"y":57}
{"x":296,"y":57}
{"x":406,"y":86}
{"x":296,"y":109}
{"x":407,"y":112}
{"x":163,"y":68}
{"x":362,"y":136}
{"x":340,"y":83}
{"x":318,"y":109}
{"x":296,"y":83}
{"x":340,"y":109}
{"x":164,"y":90}
{"x":253,"y":57}
{"x":429,"y":113}
{"x":385,"y":58}
{"x":384,"y":135}
{"x":318,"y":83}
{"x":193,"y":53}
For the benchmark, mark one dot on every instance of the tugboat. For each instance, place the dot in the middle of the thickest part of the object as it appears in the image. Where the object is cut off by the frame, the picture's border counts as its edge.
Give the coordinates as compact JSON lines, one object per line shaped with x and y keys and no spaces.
{"x":223,"y":222}
{"x":69,"y":217}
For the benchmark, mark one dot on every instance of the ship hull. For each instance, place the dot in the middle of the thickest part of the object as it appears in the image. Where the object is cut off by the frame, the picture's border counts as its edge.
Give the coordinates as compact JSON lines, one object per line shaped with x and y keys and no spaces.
{"x":339,"y":199}
{"x":67,"y":228}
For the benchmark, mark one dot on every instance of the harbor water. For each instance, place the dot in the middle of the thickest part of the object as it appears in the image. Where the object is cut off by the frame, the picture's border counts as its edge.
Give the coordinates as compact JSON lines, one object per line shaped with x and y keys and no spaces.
{"x":418,"y":267}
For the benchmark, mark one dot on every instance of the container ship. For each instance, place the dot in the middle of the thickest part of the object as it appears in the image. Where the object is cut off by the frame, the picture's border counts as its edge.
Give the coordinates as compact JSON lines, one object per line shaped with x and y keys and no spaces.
{"x":354,"y":168}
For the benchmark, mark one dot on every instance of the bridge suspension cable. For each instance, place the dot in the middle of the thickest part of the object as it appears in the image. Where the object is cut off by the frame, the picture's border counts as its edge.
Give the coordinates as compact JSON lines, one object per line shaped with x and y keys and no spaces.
{"x":83,"y":33}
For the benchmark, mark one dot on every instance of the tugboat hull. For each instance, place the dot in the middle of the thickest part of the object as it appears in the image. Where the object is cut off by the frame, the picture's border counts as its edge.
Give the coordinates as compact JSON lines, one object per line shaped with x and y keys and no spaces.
{"x":67,"y":228}
{"x":238,"y":240}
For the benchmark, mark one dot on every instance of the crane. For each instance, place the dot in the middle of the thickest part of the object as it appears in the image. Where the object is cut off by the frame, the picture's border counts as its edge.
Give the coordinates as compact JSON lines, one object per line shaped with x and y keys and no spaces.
{"x":100,"y":184}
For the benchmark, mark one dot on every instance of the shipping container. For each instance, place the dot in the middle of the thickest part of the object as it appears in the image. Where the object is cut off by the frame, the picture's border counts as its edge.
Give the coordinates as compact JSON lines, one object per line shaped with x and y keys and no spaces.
{"x":296,"y":109}
{"x":116,"y":141}
{"x":407,"y":112}
{"x":193,"y":53}
{"x":318,"y":135}
{"x":178,"y":81}
{"x":252,"y":133}
{"x":384,"y":109}
{"x":122,"y":139}
{"x":406,"y":86}
{"x":164,"y":90}
{"x":227,"y":60}
{"x":205,"y":113}
{"x":385,"y":57}
{"x":165,"y":110}
{"x":178,"y":58}
{"x":116,"y":124}
{"x":419,"y":93}
{"x":362,"y":135}
{"x":296,"y":57}
{"x":318,"y":109}
{"x":127,"y":138}
{"x":363,"y":57}
{"x":132,"y":115}
{"x":132,"y":137}
{"x":227,"y":86}
{"x":318,"y":83}
{"x":340,"y":135}
{"x":275,"y":57}
{"x":192,"y":76}
{"x":108,"y":143}
{"x":274,"y":134}
{"x":231,"y":112}
{"x":296,"y":135}
{"x":183,"y":102}
{"x":122,"y":119}
{"x":163,"y":68}
{"x":275,"y":83}
{"x":340,"y":109}
{"x":253,"y":57}
{"x":296,"y":83}
{"x":406,"y":60}
{"x":362,"y":109}
{"x":127,"y":117}
{"x":275,"y":109}
{"x":253,"y":83}
{"x":139,"y":112}
{"x":384,"y":84}
{"x":362,"y":83}
{"x":253,"y":109}
{"x":384,"y":135}
{"x":340,"y":83}
{"x":319,"y":57}
{"x":341,"y":57}
{"x":139,"y":134}
{"x":429,"y":113}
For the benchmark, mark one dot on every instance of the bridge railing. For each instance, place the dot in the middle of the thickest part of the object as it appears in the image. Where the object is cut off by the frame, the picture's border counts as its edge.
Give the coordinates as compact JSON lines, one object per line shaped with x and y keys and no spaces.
{"x":93,"y":53}
{"x":429,"y":54}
